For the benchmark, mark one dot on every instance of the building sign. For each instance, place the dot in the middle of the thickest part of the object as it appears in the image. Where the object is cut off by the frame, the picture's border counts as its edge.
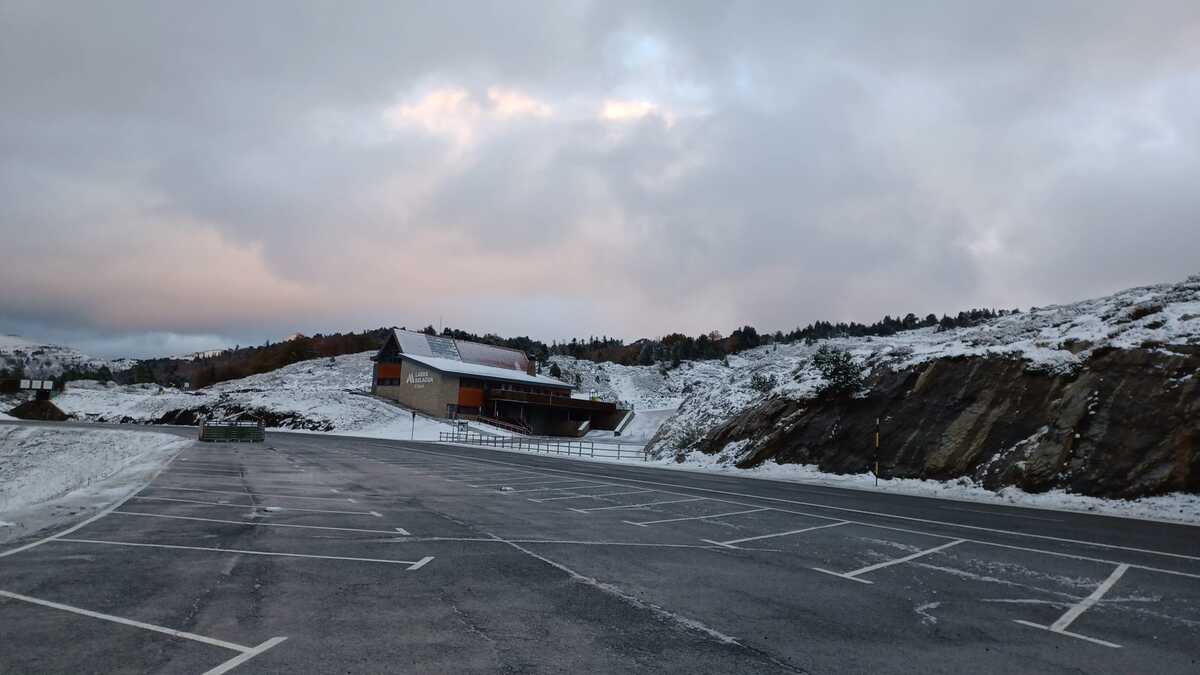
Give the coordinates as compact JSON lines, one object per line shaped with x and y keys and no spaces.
{"x":419,"y":379}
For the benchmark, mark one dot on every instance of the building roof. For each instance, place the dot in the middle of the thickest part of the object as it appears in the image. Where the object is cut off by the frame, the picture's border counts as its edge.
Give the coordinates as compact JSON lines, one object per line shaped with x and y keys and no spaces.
{"x":413,"y":343}
{"x":486,"y":372}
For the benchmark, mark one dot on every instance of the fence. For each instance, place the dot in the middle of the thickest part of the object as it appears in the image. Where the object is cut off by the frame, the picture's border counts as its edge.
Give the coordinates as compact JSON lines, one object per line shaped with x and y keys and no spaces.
{"x":549,"y":445}
{"x":232,"y":432}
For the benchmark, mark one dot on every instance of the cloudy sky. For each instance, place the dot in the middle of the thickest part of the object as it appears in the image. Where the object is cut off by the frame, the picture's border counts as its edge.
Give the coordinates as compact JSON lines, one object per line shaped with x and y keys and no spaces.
{"x":182,"y":175}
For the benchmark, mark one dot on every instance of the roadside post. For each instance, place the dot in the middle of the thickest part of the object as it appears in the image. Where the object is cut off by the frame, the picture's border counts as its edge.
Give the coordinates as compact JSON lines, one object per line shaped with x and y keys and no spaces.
{"x":412,"y":434}
{"x":876,"y":452}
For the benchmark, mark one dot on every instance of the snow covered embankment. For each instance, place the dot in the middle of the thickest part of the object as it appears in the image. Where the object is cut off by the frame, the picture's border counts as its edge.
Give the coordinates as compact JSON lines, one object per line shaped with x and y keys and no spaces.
{"x":48,"y":473}
{"x":319,"y":395}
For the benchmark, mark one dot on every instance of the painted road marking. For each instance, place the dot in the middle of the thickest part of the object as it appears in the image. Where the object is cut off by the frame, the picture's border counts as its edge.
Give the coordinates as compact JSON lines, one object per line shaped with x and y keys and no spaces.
{"x":731,"y":543}
{"x":223,"y":481}
{"x":638,"y":506}
{"x":893,"y":528}
{"x":256,"y":524}
{"x":244,"y":657}
{"x":677,"y":520}
{"x":854,"y":576}
{"x":1060,"y":626}
{"x":411,"y":564}
{"x":259,"y":506}
{"x":251,"y":494}
{"x":245,"y":653}
{"x":545,"y":489}
{"x":1005,"y":515}
{"x":607,"y":494}
{"x":91,"y":520}
{"x":522,"y":482}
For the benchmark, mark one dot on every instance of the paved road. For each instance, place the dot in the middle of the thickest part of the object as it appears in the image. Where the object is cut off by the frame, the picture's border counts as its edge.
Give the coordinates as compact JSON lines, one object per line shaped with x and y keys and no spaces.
{"x":328,"y":554}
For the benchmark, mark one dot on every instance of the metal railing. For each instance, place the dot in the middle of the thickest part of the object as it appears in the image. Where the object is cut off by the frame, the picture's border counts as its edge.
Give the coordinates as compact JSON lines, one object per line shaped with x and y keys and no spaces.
{"x":549,"y":445}
{"x":232,"y":432}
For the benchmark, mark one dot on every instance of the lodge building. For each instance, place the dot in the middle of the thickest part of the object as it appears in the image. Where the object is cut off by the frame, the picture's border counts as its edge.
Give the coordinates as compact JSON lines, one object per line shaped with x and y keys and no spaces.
{"x":458,"y":379}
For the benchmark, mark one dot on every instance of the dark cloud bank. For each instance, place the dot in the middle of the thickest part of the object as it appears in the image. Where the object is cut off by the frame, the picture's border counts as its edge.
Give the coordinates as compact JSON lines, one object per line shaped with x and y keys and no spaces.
{"x":178,"y":174}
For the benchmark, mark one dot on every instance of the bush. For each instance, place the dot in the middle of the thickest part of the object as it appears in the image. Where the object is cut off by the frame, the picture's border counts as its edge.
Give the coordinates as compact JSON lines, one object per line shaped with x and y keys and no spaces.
{"x":844,"y":377}
{"x":762,"y":383}
{"x":688,"y":435}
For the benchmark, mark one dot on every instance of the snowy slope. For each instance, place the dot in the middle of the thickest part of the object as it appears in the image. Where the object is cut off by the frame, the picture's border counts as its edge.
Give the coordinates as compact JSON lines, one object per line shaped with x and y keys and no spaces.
{"x":46,"y":360}
{"x":642,"y":387}
{"x":53,"y":475}
{"x":321,"y":394}
{"x":1057,"y":338}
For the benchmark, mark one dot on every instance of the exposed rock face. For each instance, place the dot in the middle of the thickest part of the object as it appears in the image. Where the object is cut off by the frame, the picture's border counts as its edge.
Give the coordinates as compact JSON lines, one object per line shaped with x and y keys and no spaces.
{"x":1127,"y":424}
{"x":270,"y":418}
{"x":38,"y":410}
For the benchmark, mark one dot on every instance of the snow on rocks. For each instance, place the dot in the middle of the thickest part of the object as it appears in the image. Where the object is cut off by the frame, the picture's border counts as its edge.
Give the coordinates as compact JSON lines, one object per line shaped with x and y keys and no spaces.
{"x":1056,"y":339}
{"x":46,"y":360}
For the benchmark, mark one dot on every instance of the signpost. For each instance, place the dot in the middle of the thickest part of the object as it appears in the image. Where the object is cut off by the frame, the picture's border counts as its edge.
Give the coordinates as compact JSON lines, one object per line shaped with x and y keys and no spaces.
{"x":39,"y":386}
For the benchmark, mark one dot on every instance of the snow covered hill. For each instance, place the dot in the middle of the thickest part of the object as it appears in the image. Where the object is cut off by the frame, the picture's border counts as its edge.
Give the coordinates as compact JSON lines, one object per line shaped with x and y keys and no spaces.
{"x":1057,"y":339}
{"x":47,"y":360}
{"x":321,"y":395}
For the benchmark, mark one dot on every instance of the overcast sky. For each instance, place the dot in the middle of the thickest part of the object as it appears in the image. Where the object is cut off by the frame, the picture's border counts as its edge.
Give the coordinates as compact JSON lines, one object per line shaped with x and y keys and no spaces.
{"x":185,"y":175}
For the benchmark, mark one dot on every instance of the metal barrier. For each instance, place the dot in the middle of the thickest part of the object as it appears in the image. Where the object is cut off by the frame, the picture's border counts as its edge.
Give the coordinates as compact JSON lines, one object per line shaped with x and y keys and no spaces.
{"x":232,"y":432}
{"x":547,"y":444}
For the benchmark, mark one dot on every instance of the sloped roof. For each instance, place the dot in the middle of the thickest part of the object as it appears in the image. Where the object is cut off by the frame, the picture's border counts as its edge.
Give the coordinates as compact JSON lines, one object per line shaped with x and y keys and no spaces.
{"x":413,"y":343}
{"x":484,"y":371}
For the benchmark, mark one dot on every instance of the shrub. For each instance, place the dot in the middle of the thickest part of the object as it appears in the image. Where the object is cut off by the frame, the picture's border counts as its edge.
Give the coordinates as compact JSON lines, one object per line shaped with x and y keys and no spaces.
{"x":762,"y":383}
{"x":843,"y":375}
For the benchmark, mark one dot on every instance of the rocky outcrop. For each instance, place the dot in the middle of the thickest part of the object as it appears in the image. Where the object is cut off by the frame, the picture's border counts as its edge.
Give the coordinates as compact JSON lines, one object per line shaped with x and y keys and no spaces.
{"x":1125,"y":424}
{"x":44,"y":411}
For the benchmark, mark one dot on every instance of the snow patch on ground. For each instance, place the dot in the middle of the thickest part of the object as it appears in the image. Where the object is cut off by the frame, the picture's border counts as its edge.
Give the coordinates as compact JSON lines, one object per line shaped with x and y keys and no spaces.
{"x":52,"y":474}
{"x":1177,"y":507}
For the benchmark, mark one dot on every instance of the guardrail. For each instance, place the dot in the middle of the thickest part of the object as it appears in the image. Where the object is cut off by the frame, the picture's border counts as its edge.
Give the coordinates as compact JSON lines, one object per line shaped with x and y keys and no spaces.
{"x":548,"y":444}
{"x":232,"y":432}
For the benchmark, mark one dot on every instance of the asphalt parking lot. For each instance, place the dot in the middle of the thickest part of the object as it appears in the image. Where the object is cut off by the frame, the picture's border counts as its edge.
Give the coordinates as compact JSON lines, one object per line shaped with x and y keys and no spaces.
{"x":329,"y":554}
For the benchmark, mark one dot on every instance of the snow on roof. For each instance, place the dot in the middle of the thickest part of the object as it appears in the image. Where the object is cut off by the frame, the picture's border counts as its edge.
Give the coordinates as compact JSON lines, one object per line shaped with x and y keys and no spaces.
{"x":482,"y":371}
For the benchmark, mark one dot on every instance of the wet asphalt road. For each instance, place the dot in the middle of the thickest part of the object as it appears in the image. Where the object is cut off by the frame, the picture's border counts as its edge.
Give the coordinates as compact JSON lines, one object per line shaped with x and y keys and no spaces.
{"x":326,"y":554}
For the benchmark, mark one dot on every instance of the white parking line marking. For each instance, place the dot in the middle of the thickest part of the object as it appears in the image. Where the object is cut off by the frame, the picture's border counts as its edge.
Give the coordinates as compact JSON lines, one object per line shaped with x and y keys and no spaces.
{"x":1103,"y":643}
{"x":854,"y":576}
{"x":412,"y":565}
{"x":638,"y":506}
{"x":256,"y":524}
{"x":892,"y":528}
{"x":1060,"y":626}
{"x":522,"y":483}
{"x":104,"y":512}
{"x":731,"y":542}
{"x":256,"y":506}
{"x":1005,"y":515}
{"x":142,"y":625}
{"x":544,"y":489}
{"x":252,"y":494}
{"x":685,"y":622}
{"x":224,"y":481}
{"x":244,"y":657}
{"x":420,"y":563}
{"x":607,"y":494}
{"x":1066,"y":619}
{"x":677,"y":520}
